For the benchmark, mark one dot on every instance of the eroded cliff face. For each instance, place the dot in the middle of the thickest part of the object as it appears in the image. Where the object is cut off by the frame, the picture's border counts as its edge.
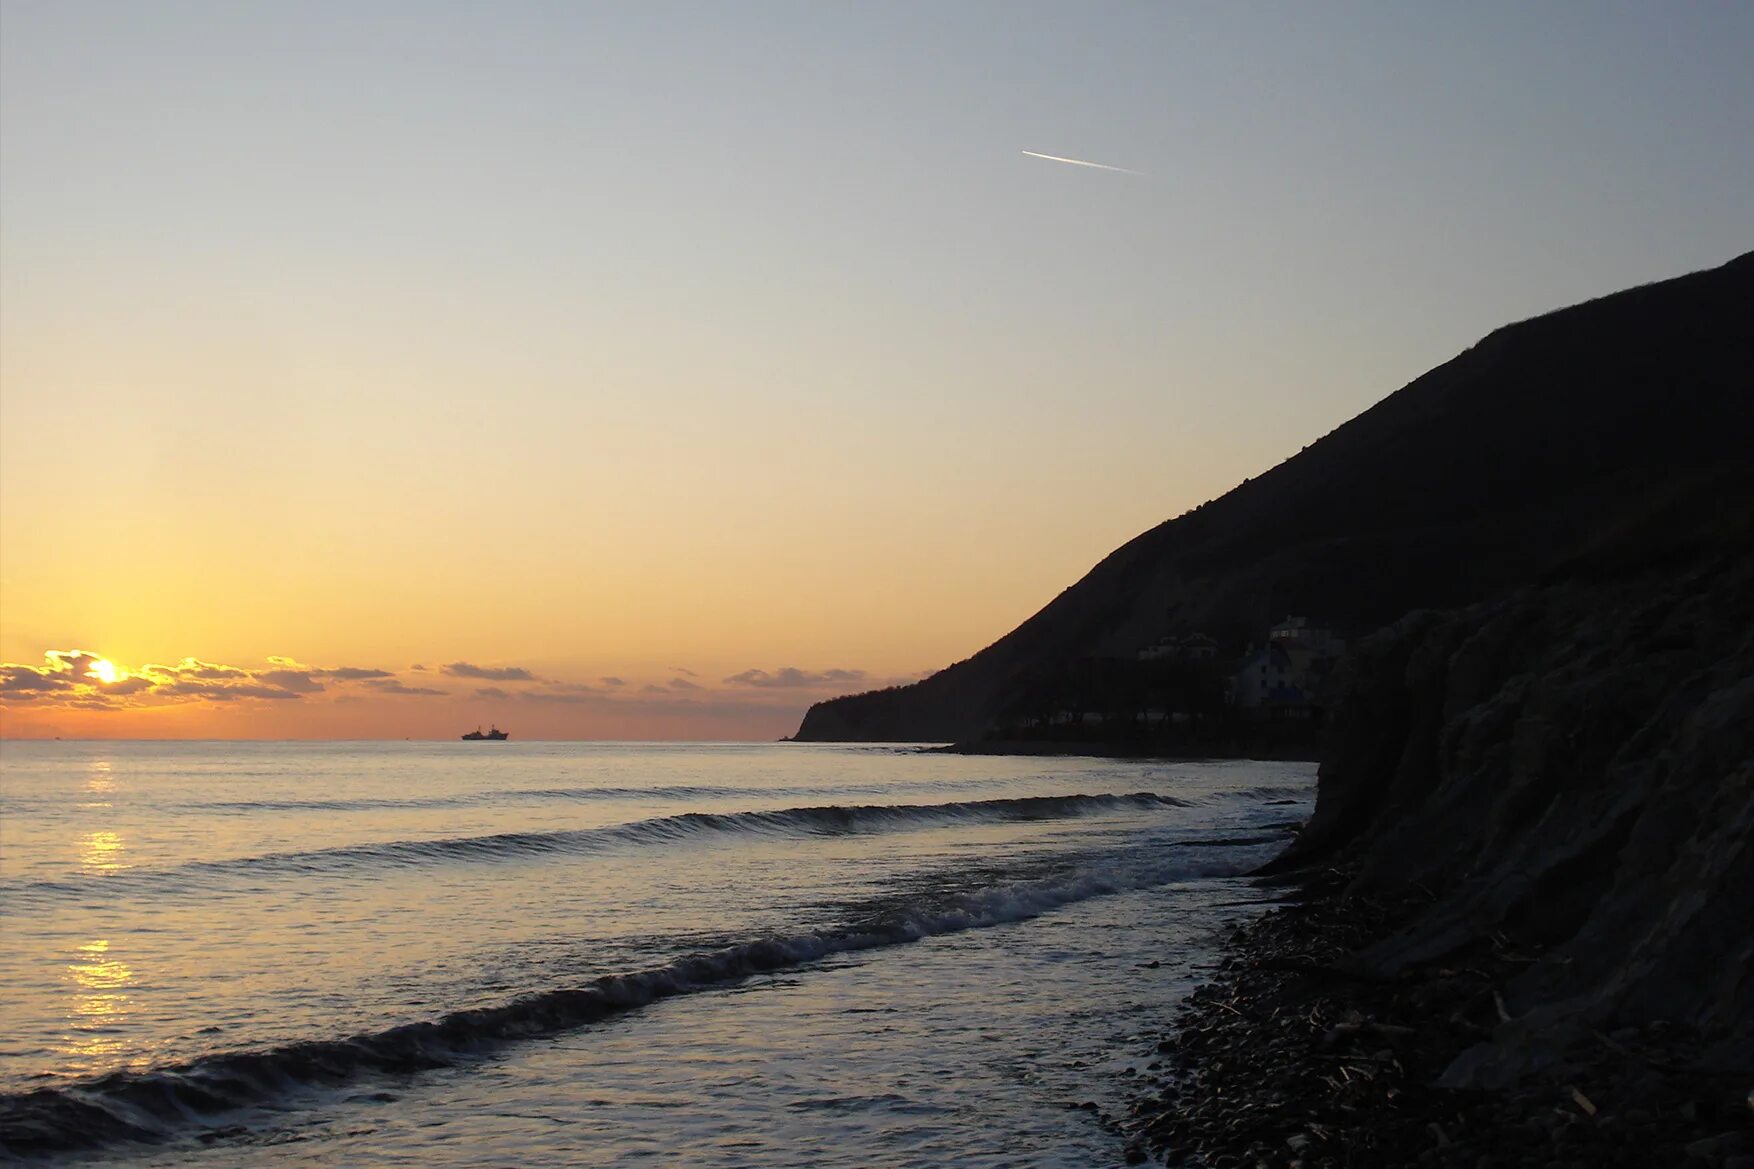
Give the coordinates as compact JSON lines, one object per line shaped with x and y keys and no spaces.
{"x":1570,"y":766}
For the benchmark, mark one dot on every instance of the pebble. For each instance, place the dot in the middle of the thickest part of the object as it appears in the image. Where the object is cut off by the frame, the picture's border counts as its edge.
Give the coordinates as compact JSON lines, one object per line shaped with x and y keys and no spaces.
{"x":1252,"y":1083}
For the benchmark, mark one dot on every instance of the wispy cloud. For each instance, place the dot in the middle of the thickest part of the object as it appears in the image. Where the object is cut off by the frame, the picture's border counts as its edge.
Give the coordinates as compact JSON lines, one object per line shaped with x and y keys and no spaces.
{"x":489,"y":673}
{"x":396,"y":686}
{"x":191,"y":668}
{"x":222,"y":691}
{"x":792,"y":678}
{"x":1080,"y":162}
{"x":350,"y":673}
{"x":337,"y":673}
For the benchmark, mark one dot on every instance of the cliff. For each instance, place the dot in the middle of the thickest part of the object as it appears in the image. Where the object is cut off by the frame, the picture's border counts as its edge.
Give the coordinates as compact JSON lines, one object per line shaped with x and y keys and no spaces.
{"x":1570,"y":767}
{"x":1542,"y":442}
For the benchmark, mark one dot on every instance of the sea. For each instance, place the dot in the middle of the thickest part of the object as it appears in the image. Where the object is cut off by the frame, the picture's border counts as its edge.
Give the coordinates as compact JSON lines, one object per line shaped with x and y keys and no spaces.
{"x":584,"y":954}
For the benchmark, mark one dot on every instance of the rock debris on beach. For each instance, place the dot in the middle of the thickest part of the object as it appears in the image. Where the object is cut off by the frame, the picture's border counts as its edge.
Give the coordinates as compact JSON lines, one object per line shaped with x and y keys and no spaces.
{"x":1285,"y":1060}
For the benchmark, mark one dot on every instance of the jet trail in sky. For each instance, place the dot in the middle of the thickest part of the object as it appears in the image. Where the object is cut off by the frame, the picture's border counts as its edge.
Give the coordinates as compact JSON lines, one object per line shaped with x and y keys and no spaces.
{"x":1080,"y":162}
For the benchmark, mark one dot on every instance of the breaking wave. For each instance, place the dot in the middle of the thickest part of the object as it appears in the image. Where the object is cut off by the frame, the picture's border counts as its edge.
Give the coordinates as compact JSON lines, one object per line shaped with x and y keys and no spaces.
{"x":203,"y":876}
{"x":499,"y":798}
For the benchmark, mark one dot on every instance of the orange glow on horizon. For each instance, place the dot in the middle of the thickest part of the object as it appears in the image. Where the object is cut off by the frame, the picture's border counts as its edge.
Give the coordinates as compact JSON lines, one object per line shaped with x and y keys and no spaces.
{"x":68,"y":693}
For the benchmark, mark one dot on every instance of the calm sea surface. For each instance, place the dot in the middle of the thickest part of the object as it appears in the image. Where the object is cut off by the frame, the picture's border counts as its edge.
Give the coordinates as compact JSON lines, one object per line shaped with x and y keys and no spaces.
{"x":600,"y":954}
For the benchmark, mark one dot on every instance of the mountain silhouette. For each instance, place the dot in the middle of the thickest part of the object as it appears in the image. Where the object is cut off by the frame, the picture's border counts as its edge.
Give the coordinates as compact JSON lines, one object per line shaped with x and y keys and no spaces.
{"x":1584,"y":441}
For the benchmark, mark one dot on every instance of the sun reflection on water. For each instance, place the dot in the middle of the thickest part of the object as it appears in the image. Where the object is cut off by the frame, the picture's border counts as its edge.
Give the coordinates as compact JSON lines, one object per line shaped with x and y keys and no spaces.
{"x":100,"y":1005}
{"x":101,"y":852}
{"x":101,"y":849}
{"x":98,"y":784}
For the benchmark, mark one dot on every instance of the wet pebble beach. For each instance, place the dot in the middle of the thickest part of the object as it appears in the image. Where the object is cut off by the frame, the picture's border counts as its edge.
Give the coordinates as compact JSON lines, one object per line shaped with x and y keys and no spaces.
{"x":1286,"y":1060}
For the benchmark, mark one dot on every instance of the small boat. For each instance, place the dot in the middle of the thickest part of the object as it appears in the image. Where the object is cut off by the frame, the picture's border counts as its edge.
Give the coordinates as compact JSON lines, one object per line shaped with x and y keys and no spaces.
{"x":477,"y":735}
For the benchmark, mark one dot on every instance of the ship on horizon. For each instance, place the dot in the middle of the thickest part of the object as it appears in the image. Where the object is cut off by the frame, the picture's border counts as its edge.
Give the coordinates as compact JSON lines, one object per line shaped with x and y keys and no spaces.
{"x":477,"y":735}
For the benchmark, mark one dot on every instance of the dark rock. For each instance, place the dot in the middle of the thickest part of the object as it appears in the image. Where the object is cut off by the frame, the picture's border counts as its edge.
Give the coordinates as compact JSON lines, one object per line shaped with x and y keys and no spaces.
{"x":1567,"y":788}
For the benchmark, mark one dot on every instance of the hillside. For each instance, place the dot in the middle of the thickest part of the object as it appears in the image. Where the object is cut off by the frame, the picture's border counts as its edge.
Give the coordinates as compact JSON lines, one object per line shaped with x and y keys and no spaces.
{"x":1541,"y":450}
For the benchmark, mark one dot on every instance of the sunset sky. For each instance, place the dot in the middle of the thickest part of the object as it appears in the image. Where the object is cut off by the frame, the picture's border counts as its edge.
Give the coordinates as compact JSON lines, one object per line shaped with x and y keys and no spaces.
{"x":651,"y":370}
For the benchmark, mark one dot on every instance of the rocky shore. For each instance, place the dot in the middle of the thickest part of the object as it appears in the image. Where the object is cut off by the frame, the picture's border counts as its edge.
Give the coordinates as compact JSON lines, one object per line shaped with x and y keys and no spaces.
{"x":1292,"y":1058}
{"x":1291,"y":750}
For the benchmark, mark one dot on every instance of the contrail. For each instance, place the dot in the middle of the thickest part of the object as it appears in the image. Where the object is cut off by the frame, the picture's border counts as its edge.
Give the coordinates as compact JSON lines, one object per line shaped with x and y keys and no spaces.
{"x":1080,"y":162}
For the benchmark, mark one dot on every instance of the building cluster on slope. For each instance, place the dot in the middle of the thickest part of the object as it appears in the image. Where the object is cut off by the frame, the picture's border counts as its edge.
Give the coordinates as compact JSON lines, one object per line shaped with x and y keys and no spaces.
{"x":1196,"y":647}
{"x":1282,"y":677}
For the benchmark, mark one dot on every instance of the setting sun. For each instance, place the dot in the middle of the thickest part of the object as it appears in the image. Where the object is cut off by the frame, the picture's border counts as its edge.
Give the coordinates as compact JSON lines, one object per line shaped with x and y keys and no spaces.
{"x":104,"y":671}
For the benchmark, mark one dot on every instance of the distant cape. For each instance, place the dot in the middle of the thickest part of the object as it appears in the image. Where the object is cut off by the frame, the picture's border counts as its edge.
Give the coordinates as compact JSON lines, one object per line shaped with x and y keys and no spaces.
{"x":1614,"y":428}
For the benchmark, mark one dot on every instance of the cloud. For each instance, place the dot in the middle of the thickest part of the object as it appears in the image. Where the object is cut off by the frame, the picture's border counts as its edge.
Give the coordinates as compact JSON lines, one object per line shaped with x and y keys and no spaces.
{"x":66,"y":679}
{"x":715,"y":705}
{"x":568,"y":692}
{"x":574,"y":696}
{"x":394,"y":686}
{"x":792,"y":678}
{"x":30,"y":680}
{"x":333,"y":673}
{"x":351,"y":674}
{"x":194,"y":678}
{"x":220,"y":691}
{"x":489,"y":673}
{"x":77,"y":662}
{"x":196,"y":668}
{"x":299,"y":681}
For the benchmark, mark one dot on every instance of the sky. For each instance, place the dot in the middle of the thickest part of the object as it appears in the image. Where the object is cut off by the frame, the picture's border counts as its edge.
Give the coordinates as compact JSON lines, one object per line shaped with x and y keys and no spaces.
{"x":652,"y":370}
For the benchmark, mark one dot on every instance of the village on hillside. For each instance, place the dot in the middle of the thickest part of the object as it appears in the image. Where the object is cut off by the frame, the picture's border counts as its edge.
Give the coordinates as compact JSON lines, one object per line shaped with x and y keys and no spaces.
{"x":1185,"y":688}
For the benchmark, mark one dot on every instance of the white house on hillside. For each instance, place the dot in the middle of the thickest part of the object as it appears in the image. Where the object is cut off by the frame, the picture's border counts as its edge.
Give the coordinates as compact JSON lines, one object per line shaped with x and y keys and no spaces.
{"x":1268,"y":678}
{"x":1284,"y":676}
{"x":1299,"y":633}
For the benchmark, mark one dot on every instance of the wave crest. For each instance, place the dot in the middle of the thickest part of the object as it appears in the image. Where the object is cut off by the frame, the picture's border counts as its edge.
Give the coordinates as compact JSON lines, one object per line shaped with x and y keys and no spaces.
{"x":833,"y":819}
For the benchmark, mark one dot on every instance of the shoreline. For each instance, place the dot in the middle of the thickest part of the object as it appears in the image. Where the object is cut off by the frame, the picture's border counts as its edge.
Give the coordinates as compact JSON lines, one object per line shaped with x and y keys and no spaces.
{"x":1292,"y":1059}
{"x":1294,"y":753}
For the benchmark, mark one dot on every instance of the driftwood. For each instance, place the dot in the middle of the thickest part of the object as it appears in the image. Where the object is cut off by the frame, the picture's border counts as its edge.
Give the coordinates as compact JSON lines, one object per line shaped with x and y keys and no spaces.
{"x":1320,"y":970}
{"x":1388,"y":1032}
